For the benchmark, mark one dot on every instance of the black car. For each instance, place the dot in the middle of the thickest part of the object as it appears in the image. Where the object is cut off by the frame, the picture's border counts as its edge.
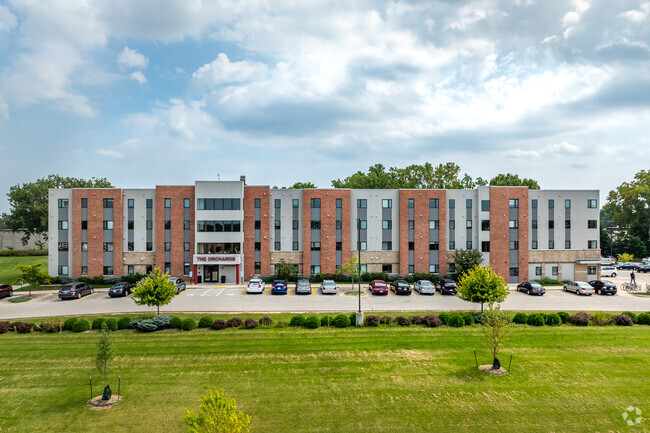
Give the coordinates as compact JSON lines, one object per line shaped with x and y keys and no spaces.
{"x":603,"y":287}
{"x":400,"y":287}
{"x":446,"y":286}
{"x":531,"y":288}
{"x":120,"y":289}
{"x":75,"y":290}
{"x":627,"y":266}
{"x":643,"y":268}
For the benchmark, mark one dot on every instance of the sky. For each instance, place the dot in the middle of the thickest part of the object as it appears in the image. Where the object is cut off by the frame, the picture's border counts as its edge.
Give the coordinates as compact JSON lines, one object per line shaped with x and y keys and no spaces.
{"x":150,"y":92}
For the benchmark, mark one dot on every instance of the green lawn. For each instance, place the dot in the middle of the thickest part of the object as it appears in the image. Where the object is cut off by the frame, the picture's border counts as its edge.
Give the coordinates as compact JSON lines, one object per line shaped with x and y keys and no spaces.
{"x":8,"y":272}
{"x":331,"y":380}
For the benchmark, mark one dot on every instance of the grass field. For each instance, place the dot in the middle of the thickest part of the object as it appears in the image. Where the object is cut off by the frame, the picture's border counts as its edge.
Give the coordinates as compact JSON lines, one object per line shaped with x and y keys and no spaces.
{"x":333,"y":380}
{"x":8,"y":272}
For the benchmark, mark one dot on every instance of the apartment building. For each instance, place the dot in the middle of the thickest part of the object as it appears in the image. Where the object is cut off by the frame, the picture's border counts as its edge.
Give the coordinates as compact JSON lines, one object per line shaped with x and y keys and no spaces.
{"x":227,"y":231}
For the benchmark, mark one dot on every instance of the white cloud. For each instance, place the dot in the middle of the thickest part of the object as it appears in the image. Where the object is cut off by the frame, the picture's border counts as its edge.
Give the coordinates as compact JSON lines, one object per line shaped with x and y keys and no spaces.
{"x":7,"y":20}
{"x":637,"y":15}
{"x":111,"y":153}
{"x":128,"y":58}
{"x":138,"y":76}
{"x":222,"y":70}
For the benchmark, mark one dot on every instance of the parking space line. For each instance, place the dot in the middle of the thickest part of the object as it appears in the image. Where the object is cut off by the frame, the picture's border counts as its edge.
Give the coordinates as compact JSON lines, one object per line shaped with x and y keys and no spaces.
{"x":391,"y":293}
{"x":220,"y":292}
{"x":202,"y":294}
{"x":242,"y":293}
{"x":415,"y":294}
{"x":290,"y":291}
{"x":438,"y":294}
{"x":268,"y":291}
{"x":313,"y":292}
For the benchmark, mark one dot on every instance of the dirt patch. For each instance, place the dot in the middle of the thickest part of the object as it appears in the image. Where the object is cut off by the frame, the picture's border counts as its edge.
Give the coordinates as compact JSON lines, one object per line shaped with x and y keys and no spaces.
{"x":98,"y":404}
{"x":487,"y":368}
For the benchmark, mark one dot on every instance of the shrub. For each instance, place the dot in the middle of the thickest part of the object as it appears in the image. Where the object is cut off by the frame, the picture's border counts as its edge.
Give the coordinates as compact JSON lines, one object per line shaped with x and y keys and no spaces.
{"x":250,"y":324}
{"x":417,"y":320}
{"x":219,"y":324}
{"x":205,"y":321}
{"x":162,"y":320}
{"x":281,"y":324}
{"x":643,"y":319}
{"x":553,"y":320}
{"x":144,"y":325}
{"x":631,"y":315}
{"x":123,"y":323}
{"x":520,"y":318}
{"x":97,"y":323}
{"x":175,"y":322}
{"x":69,"y":323}
{"x":403,"y":321}
{"x":5,"y":327}
{"x":312,"y":322}
{"x":580,"y":319}
{"x":234,"y":322}
{"x":623,"y":320}
{"x":456,"y":321}
{"x":444,"y":317}
{"x":111,"y":324}
{"x":372,"y":320}
{"x":23,"y":328}
{"x":266,"y":321}
{"x":341,"y":321}
{"x":535,"y":319}
{"x":432,"y":321}
{"x":326,"y":321}
{"x":52,"y":326}
{"x":188,"y":324}
{"x":468,"y":318}
{"x":479,"y":317}
{"x":564,"y":317}
{"x":387,"y":320}
{"x":601,"y":319}
{"x":81,"y":325}
{"x":353,"y":319}
{"x":297,"y":321}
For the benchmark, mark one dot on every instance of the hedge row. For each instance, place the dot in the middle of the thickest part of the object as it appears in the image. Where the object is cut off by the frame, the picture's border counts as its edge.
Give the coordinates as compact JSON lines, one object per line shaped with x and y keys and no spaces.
{"x":99,"y":279}
{"x":581,"y":319}
{"x":22,"y":253}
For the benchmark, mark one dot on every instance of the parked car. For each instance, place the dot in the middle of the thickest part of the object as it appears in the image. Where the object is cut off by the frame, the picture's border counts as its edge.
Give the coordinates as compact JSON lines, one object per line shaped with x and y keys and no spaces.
{"x":531,"y":288}
{"x":579,"y":287}
{"x":328,"y":286}
{"x":279,"y":287}
{"x":378,"y":287}
{"x":627,"y":266}
{"x":303,"y":286}
{"x":643,"y":268}
{"x":179,"y":283}
{"x":255,"y":285}
{"x":120,"y":289}
{"x":75,"y":290}
{"x":6,"y":290}
{"x":608,"y":271}
{"x":446,"y":286}
{"x":603,"y":287}
{"x":400,"y":287}
{"x":607,"y":260}
{"x":424,"y":287}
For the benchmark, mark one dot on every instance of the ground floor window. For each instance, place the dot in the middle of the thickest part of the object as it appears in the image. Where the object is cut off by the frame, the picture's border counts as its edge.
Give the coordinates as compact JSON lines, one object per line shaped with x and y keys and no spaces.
{"x":433,"y":269}
{"x":218,"y":248}
{"x":538,"y":270}
{"x":554,"y":270}
{"x":315,"y":269}
{"x":514,"y":272}
{"x":129,"y":270}
{"x":168,"y":268}
{"x":63,"y":270}
{"x":108,"y":270}
{"x":387,"y":268}
{"x":186,"y":269}
{"x":591,"y":270}
{"x":84,"y":270}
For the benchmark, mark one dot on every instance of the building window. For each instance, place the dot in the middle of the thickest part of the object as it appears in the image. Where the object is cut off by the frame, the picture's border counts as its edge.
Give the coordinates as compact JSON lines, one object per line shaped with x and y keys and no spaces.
{"x":362,"y":203}
{"x":339,"y":203}
{"x":168,"y":268}
{"x":278,"y":203}
{"x":149,"y":203}
{"x":84,"y":270}
{"x":592,"y":245}
{"x":339,"y":246}
{"x":452,"y":245}
{"x":485,"y":247}
{"x":468,"y":203}
{"x":294,"y":246}
{"x":411,"y":224}
{"x":387,"y":268}
{"x":84,"y":247}
{"x":567,"y":224}
{"x":513,"y":203}
{"x":433,"y":203}
{"x":339,"y":225}
{"x":295,"y":203}
{"x":186,"y":268}
{"x":452,"y":267}
{"x":485,"y":225}
{"x":433,"y":225}
{"x":411,"y":203}
{"x":591,"y":270}
{"x":468,"y":245}
{"x":567,"y":204}
{"x":411,"y":245}
{"x":149,"y":246}
{"x":168,"y":202}
{"x":363,"y":224}
{"x":277,"y":246}
{"x":315,"y":203}
{"x":551,"y":245}
{"x":434,"y":246}
{"x":186,"y":203}
{"x":130,"y":224}
{"x":84,"y":203}
{"x":485,"y":205}
{"x":315,"y":246}
{"x":168,"y":224}
{"x":554,"y":270}
{"x":469,"y":224}
{"x":534,"y":205}
{"x":258,"y":225}
{"x":534,"y":245}
{"x":551,"y":204}
{"x":387,"y":203}
{"x":452,"y":203}
{"x":258,"y":246}
{"x":592,"y":224}
{"x":108,"y":203}
{"x":84,"y":225}
{"x":513,"y":224}
{"x":108,"y":270}
{"x":108,"y":246}
{"x":258,"y":268}
{"x":315,"y":269}
{"x":149,"y":224}
{"x":514,"y":272}
{"x":186,"y":224}
{"x":363,"y":246}
{"x":130,"y":246}
{"x":258,"y":203}
{"x":63,"y":202}
{"x":386,"y":246}
{"x":411,"y":269}
{"x":168,"y":246}
{"x":387,"y":224}
{"x":63,"y":225}
{"x":551,"y":224}
{"x":514,"y":245}
{"x":130,"y":203}
{"x":592,"y":204}
{"x":538,"y":271}
{"x":452,"y":224}
{"x":108,"y":224}
{"x":129,"y":270}
{"x":567,"y":245}
{"x":277,"y":224}
{"x":533,"y":224}
{"x":433,"y":269}
{"x":295,"y":224}
{"x":315,"y":224}
{"x":63,"y":246}
{"x":186,"y":246}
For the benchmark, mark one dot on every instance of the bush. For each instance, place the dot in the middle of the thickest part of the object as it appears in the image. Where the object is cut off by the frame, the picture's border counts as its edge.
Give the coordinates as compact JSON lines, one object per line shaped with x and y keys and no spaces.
{"x":205,"y":321}
{"x":623,"y":320}
{"x":535,"y":319}
{"x":123,"y":323}
{"x":520,"y":318}
{"x":111,"y":324}
{"x":81,"y":325}
{"x":417,"y":320}
{"x":23,"y":328}
{"x":432,"y":321}
{"x":353,"y":319}
{"x":403,"y":321}
{"x":266,"y":321}
{"x":468,"y":318}
{"x":234,"y":322}
{"x":444,"y":317}
{"x":564,"y":317}
{"x":97,"y":323}
{"x":456,"y":321}
{"x":281,"y":324}
{"x":326,"y":321}
{"x":479,"y":317}
{"x":601,"y":319}
{"x":5,"y":327}
{"x":372,"y":320}
{"x":643,"y":319}
{"x":387,"y":320}
{"x":580,"y":319}
{"x":162,"y":320}
{"x":312,"y":322}
{"x":22,"y":253}
{"x":297,"y":321}
{"x":341,"y":321}
{"x":631,"y":315}
{"x":250,"y":324}
{"x":188,"y":324}
{"x":219,"y":324}
{"x":175,"y":322}
{"x":52,"y":326}
{"x":68,"y":325}
{"x":553,"y":320}
{"x":144,"y":325}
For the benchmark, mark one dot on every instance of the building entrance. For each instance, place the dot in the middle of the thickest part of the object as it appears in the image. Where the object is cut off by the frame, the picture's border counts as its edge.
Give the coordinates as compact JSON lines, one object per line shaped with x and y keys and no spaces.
{"x":211,"y":273}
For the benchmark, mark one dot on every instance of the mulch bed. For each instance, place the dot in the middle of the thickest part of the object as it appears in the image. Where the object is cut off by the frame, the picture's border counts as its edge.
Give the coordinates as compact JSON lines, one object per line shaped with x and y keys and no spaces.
{"x":98,"y":404}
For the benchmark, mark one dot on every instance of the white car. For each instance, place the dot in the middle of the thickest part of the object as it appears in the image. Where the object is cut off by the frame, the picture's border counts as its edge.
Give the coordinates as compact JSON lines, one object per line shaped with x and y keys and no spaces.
{"x":608,"y":271}
{"x":579,"y":287}
{"x":328,"y":286}
{"x":255,"y":285}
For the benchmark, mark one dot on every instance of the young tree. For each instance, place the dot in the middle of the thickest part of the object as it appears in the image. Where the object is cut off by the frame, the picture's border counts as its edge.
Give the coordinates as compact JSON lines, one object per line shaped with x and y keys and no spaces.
{"x":104,"y":355}
{"x":625,"y":257}
{"x":352,"y":267}
{"x":154,"y":290}
{"x":33,"y":275}
{"x":285,"y":271}
{"x":217,"y":414}
{"x":495,"y":332}
{"x":466,"y":260}
{"x":482,"y":285}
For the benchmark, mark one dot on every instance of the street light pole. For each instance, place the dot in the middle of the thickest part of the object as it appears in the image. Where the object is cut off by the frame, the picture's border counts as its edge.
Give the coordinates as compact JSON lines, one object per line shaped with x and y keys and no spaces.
{"x":359,"y":258}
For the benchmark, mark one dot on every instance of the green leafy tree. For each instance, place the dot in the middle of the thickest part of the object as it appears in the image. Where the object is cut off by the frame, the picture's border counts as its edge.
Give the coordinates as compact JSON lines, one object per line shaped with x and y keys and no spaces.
{"x":302,"y":185}
{"x":104,"y":352}
{"x":625,"y":257}
{"x":495,"y":332}
{"x":285,"y":271}
{"x":217,"y":414}
{"x":482,"y":285}
{"x":352,"y":267}
{"x":629,"y":206}
{"x":28,"y":203}
{"x":154,"y":290}
{"x":466,"y":259}
{"x":33,"y":275}
{"x":630,"y":244}
{"x":509,"y":179}
{"x":376,"y":178}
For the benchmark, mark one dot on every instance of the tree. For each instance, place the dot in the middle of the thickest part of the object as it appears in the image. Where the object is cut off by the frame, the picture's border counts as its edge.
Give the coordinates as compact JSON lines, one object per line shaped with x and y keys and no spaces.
{"x":33,"y":275}
{"x":625,"y":257}
{"x":352,"y":267}
{"x":217,"y":414}
{"x":630,"y":244}
{"x":466,"y":260}
{"x":302,"y":185}
{"x":482,"y":285}
{"x":104,"y":353}
{"x":377,"y":178}
{"x":29,"y":203}
{"x":285,"y":271}
{"x":629,"y":206}
{"x":495,"y":332}
{"x":154,"y":290}
{"x":509,"y":179}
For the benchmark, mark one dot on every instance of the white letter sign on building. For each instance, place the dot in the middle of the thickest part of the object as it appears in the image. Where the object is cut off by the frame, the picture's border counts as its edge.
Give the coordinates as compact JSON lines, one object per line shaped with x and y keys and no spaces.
{"x":231,"y":259}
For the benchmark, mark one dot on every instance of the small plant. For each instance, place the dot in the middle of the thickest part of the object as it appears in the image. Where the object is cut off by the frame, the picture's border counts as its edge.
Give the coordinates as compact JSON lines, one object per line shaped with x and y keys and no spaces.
{"x":520,"y":319}
{"x":432,"y":321}
{"x":217,"y":414}
{"x":52,"y":326}
{"x":326,"y":321}
{"x":478,"y":317}
{"x":23,"y":328}
{"x":631,"y":315}
{"x":281,"y":324}
{"x":219,"y":324}
{"x":403,"y":321}
{"x":468,"y":318}
{"x":5,"y":327}
{"x":372,"y":320}
{"x":553,"y":320}
{"x":97,"y":323}
{"x":564,"y":317}
{"x":250,"y":324}
{"x":69,"y":323}
{"x":297,"y":321}
{"x":444,"y":317}
{"x":535,"y":319}
{"x":205,"y":321}
{"x":175,"y":322}
{"x":111,"y":324}
{"x":601,"y":319}
{"x":188,"y":324}
{"x":104,"y":354}
{"x":495,"y":332}
{"x":456,"y":321}
{"x":623,"y":320}
{"x":353,"y":319}
{"x":161,"y":321}
{"x":417,"y":320}
{"x":81,"y":325}
{"x":643,"y":319}
{"x":341,"y":321}
{"x":580,"y":319}
{"x":387,"y":320}
{"x":234,"y":322}
{"x":312,"y":322}
{"x":123,"y":323}
{"x":266,"y":321}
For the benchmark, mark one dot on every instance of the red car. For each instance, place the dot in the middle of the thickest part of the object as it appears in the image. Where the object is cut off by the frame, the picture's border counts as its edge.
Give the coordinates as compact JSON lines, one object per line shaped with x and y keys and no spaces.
{"x":378,"y":287}
{"x":6,"y":290}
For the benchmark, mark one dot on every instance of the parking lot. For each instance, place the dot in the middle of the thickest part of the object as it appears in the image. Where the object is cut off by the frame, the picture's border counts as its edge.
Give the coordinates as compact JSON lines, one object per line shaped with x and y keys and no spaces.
{"x":220,"y":298}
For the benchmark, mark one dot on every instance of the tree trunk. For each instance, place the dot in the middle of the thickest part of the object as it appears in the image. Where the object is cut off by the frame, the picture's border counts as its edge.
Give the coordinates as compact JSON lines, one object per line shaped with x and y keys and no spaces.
{"x":158,"y":307}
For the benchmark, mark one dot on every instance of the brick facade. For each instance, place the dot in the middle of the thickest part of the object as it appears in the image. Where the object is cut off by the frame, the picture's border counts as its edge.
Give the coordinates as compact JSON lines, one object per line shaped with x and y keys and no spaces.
{"x":500,"y":230}
{"x":250,"y":194}
{"x":177,"y":194}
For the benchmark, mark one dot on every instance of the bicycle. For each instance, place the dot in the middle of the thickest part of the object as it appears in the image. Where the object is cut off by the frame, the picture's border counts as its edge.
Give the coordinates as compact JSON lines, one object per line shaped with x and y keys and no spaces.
{"x":631,"y":287}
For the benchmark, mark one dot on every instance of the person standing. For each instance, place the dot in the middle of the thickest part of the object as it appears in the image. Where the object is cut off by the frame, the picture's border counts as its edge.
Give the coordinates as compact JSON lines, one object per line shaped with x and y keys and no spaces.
{"x":632,"y":278}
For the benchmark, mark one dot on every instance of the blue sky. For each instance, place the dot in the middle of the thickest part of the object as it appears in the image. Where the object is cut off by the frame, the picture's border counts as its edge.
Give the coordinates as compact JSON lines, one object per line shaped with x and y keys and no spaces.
{"x":144,"y":92}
